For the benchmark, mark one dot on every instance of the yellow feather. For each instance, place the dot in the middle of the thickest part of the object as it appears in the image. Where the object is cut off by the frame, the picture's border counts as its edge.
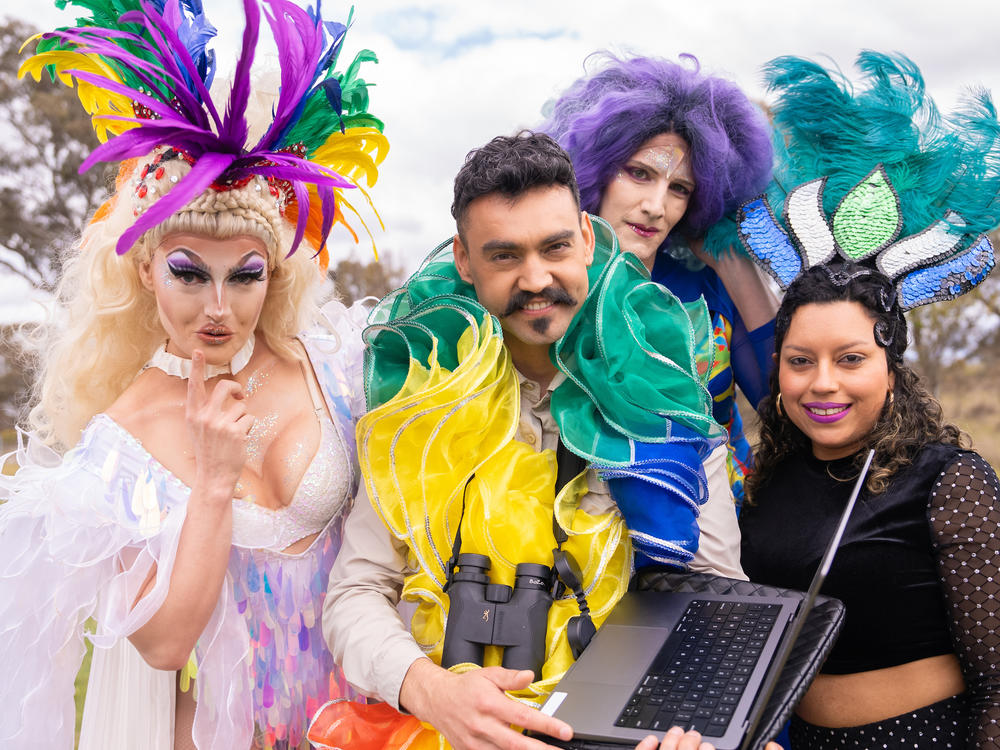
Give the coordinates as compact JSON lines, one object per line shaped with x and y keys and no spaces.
{"x":97,"y":101}
{"x":355,"y":154}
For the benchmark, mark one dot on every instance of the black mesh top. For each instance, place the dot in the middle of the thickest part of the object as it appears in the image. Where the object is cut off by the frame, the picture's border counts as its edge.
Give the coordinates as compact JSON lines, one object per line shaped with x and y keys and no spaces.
{"x":918,"y":568}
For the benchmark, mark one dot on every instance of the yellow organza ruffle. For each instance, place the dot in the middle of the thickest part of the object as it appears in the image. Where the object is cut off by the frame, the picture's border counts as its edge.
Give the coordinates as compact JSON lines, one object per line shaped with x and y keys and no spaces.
{"x":417,"y":452}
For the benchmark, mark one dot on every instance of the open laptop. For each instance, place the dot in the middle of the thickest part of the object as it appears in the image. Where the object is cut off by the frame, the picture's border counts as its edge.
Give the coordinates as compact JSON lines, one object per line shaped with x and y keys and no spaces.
{"x":704,"y":661}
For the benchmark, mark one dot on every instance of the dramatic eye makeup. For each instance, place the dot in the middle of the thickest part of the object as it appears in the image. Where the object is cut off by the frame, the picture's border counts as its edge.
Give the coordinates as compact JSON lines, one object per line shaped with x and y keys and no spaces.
{"x":252,"y":269}
{"x":184,"y":268}
{"x":188,"y":269}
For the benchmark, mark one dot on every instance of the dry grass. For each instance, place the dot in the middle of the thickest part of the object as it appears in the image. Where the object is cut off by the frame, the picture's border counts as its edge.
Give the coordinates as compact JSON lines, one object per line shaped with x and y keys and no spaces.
{"x":970,"y":396}
{"x":81,"y":687}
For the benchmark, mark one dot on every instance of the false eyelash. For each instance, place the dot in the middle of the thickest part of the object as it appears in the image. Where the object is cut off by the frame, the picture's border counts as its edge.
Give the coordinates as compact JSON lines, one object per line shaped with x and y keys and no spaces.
{"x":249,"y":274}
{"x":184,"y":267}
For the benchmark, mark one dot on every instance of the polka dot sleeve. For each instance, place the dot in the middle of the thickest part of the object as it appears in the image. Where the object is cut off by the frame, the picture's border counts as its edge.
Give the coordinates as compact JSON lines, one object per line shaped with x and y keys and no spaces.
{"x":964,"y":515}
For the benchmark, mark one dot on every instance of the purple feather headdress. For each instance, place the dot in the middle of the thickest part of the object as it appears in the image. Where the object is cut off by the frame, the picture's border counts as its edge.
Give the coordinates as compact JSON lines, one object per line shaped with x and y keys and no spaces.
{"x":144,"y":75}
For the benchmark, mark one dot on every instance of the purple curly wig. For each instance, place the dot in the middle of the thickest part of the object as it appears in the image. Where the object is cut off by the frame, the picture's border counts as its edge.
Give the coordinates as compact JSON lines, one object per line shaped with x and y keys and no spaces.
{"x":603,"y":118}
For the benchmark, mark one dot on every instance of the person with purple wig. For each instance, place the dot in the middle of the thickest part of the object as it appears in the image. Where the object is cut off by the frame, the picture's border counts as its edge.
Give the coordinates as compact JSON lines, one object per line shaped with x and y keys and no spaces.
{"x":662,"y":152}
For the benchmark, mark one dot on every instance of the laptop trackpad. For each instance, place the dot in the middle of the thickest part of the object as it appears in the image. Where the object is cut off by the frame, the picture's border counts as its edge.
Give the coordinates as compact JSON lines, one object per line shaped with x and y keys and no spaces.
{"x":624,"y":654}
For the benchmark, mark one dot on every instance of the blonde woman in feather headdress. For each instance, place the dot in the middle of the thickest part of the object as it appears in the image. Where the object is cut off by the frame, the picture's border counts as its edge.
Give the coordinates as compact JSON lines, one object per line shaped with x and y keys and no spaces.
{"x":192,"y":453}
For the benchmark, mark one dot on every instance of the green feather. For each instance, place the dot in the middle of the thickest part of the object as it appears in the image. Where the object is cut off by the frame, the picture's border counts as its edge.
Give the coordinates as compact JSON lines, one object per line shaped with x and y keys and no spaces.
{"x":318,"y":121}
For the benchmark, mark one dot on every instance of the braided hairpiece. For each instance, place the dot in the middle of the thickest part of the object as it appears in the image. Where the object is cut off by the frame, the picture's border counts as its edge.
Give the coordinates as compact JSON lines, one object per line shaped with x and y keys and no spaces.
{"x":143,"y":71}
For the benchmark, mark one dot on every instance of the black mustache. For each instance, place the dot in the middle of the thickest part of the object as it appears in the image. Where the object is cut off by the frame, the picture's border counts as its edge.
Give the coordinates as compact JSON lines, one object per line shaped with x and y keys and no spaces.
{"x":553,"y":294}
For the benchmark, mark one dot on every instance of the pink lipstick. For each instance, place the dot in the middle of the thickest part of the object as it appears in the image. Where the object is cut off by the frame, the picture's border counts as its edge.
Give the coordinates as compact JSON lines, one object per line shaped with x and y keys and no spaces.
{"x":642,"y":230}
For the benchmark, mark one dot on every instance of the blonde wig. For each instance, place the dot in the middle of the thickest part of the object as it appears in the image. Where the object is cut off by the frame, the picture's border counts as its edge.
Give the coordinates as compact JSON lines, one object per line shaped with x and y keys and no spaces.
{"x":106,"y":327}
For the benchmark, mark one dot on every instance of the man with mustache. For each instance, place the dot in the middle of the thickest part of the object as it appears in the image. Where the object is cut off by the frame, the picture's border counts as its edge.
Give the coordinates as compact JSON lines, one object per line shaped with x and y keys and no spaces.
{"x":588,"y":384}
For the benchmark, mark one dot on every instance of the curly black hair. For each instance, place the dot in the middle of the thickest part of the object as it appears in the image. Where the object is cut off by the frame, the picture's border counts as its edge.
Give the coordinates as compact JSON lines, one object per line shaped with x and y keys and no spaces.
{"x":511,"y":165}
{"x":907,"y":422}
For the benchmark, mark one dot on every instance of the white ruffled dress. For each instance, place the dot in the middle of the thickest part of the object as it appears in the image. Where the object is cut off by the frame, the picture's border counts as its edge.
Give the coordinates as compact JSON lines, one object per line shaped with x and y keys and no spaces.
{"x":78,"y":536}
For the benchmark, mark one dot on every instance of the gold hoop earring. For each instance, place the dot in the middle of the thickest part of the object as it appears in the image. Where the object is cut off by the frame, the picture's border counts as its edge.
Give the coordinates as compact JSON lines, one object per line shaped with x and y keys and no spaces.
{"x":777,"y":406}
{"x":892,"y":397}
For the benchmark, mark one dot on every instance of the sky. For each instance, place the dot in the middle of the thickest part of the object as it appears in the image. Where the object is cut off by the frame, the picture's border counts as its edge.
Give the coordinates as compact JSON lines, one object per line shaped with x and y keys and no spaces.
{"x":454,"y":73}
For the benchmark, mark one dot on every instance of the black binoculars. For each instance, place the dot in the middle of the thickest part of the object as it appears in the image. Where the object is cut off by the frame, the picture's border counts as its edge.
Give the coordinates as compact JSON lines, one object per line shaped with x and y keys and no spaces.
{"x":484,"y":614}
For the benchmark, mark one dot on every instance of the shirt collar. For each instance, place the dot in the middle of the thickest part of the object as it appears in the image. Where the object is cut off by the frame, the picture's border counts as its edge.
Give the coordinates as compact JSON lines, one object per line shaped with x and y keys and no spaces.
{"x":556,"y":381}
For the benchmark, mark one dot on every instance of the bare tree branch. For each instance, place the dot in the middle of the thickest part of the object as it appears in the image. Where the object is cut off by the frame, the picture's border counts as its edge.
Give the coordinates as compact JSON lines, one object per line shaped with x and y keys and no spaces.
{"x":44,"y":201}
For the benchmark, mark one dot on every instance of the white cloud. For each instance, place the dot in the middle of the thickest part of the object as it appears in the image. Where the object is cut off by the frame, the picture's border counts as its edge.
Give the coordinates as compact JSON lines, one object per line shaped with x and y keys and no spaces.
{"x":453,"y":73}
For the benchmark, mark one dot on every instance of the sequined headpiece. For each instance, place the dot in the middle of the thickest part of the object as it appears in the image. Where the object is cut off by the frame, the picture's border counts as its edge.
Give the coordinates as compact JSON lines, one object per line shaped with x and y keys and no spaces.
{"x":143,"y":72}
{"x":910,"y":193}
{"x":861,"y":238}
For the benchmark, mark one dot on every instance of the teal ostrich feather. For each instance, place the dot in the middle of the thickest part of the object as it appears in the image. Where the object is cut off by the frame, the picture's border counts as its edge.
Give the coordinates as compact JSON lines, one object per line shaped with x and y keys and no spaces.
{"x":826,"y":126}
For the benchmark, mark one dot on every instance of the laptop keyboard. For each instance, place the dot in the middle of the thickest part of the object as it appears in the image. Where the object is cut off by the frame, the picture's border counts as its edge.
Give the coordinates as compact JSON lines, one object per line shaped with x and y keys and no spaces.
{"x":701,"y":671}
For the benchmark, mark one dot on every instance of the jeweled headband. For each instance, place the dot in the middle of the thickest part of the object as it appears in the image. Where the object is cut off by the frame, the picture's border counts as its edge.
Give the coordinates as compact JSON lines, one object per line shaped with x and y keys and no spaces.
{"x":143,"y":72}
{"x":861,"y":237}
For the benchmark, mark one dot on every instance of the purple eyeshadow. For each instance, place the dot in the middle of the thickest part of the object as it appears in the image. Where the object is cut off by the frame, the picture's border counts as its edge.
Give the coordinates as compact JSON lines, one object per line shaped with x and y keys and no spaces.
{"x":180,"y":262}
{"x":254,"y":265}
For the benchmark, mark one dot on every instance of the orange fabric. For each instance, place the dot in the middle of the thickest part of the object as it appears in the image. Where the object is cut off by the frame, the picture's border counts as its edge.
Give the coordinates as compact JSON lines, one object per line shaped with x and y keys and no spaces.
{"x":347,"y":725}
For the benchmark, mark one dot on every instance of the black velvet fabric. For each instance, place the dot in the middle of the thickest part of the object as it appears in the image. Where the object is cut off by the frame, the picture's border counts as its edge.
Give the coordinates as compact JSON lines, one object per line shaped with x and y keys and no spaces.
{"x":919,"y":569}
{"x":885,"y":570}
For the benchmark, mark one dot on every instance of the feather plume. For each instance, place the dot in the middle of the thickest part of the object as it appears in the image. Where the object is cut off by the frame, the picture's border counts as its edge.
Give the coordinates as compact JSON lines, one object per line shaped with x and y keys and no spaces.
{"x":143,"y":70}
{"x":825,"y":126}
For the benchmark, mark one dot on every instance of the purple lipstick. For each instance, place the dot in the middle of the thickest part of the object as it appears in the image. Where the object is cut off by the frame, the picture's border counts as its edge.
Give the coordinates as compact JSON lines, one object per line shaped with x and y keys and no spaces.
{"x":826,"y":412}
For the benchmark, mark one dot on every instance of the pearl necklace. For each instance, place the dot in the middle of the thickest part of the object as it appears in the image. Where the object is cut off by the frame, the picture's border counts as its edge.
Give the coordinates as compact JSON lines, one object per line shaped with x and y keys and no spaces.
{"x":179,"y":367}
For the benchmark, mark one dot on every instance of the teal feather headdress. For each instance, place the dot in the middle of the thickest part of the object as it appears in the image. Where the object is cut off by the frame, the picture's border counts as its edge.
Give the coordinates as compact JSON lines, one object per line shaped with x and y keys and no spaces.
{"x":827,"y":127}
{"x":883,"y":163}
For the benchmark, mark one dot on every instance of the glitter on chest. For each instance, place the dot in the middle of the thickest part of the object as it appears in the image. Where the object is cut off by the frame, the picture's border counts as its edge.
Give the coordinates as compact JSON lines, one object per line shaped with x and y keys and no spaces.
{"x":293,"y":464}
{"x":260,"y":435}
{"x":257,"y":379}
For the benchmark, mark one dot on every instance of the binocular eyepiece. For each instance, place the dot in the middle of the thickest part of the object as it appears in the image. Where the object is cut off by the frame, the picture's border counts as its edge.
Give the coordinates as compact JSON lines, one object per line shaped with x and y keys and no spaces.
{"x":483,"y":614}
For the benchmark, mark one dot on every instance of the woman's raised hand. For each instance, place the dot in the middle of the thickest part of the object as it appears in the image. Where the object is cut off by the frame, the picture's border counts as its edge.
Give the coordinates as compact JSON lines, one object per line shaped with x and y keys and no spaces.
{"x":218,"y":425}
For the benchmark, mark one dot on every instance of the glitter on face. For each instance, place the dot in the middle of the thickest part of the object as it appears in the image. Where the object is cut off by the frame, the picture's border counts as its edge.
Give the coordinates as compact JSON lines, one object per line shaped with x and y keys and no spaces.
{"x":167,"y":277}
{"x":260,"y":434}
{"x":664,"y":159}
{"x":649,"y":195}
{"x":189,"y":309}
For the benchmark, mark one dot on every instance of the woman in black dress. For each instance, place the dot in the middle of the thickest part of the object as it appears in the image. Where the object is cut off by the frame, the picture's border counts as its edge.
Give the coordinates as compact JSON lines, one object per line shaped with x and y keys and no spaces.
{"x":916,"y":664}
{"x":872,"y":231}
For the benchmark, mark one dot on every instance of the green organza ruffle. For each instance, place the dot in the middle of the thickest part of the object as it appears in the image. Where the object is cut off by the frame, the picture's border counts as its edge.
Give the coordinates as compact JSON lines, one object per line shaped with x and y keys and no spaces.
{"x":636,"y":358}
{"x":637,"y":362}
